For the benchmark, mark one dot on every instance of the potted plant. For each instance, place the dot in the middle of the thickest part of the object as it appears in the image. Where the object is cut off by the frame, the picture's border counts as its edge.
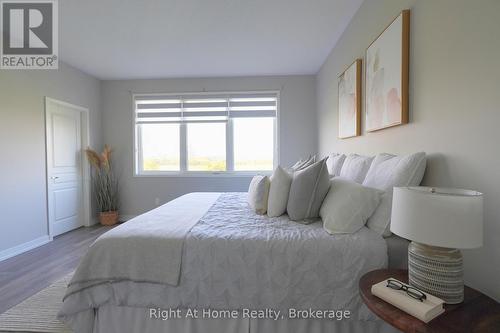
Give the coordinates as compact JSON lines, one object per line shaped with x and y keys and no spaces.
{"x":105,"y":185}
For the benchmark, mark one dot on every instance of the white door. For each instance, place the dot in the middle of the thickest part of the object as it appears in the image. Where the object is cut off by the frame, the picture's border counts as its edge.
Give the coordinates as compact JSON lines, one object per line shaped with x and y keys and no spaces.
{"x":64,"y":167}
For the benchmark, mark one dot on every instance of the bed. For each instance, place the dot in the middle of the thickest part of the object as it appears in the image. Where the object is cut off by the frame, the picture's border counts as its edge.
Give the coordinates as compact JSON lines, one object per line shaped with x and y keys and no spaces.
{"x":230,"y":261}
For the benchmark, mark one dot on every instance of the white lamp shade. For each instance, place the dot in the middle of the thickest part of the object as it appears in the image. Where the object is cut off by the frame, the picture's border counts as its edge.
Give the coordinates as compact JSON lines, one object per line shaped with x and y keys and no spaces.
{"x":441,"y":217}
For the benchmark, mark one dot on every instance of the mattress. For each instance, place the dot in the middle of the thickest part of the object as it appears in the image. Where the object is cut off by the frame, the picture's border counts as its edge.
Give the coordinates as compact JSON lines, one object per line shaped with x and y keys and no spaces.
{"x":236,"y":259}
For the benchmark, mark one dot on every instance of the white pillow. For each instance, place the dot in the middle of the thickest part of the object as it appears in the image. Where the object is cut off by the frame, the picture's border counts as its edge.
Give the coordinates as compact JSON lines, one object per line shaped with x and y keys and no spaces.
{"x":386,"y":172}
{"x":309,"y":188}
{"x":278,"y":192}
{"x":347,"y":206}
{"x":258,"y":194}
{"x":355,"y":167}
{"x":334,"y":164}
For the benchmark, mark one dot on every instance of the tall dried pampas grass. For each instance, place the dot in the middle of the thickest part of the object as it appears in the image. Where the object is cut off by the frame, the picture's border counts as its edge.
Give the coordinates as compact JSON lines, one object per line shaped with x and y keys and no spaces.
{"x":105,"y":182}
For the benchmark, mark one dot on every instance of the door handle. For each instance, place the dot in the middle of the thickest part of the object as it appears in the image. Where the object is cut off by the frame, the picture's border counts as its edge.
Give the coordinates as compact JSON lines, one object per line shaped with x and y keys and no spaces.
{"x":54,"y":177}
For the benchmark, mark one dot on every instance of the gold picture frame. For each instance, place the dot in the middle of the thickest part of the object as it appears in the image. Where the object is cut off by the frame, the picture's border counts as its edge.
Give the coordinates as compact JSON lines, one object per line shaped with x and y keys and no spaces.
{"x":349,"y":101}
{"x":387,"y":76}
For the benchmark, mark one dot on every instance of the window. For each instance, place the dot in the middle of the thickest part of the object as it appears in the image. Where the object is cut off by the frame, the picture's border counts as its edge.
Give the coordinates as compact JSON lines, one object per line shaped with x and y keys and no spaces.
{"x":160,"y":147}
{"x":205,"y":133}
{"x":206,"y":146}
{"x":253,"y":143}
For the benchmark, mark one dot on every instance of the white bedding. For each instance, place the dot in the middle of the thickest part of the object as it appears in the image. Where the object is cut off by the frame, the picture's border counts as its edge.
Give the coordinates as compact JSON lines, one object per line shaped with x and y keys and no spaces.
{"x":234,"y":259}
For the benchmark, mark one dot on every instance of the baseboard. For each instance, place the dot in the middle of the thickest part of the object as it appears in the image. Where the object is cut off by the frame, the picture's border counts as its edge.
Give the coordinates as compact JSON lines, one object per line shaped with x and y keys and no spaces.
{"x":21,"y":248}
{"x":125,"y":218}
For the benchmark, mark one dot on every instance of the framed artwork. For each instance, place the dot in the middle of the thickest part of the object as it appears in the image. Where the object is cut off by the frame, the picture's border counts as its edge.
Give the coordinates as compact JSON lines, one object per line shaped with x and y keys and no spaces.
{"x":350,"y":101}
{"x":386,"y":74}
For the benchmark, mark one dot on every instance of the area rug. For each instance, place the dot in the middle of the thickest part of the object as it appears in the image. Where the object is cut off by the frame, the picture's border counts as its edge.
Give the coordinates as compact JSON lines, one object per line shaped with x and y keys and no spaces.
{"x":37,"y":313}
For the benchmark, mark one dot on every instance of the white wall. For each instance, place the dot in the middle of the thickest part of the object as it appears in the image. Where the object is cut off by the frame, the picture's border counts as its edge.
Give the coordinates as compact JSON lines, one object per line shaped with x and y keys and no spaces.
{"x":297,"y":132}
{"x":454,"y":105}
{"x":23,"y":210}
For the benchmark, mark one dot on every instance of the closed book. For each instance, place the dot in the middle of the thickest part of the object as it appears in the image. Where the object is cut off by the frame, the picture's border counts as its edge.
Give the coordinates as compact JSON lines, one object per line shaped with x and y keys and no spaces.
{"x":425,"y":310}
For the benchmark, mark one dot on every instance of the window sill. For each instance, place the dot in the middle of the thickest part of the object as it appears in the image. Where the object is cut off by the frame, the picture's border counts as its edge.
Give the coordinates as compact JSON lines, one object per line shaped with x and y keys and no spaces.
{"x":244,"y":174}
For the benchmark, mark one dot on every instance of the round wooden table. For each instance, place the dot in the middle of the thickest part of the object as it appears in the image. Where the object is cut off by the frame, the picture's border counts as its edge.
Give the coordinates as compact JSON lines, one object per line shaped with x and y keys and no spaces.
{"x":477,"y":313}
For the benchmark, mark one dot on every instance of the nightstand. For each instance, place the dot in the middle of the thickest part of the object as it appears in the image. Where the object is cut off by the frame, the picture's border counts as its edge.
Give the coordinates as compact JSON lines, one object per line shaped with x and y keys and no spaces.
{"x":477,"y":313}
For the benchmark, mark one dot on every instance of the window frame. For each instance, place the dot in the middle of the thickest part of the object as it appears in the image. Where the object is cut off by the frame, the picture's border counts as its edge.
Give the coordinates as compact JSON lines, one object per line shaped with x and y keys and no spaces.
{"x":184,"y":172}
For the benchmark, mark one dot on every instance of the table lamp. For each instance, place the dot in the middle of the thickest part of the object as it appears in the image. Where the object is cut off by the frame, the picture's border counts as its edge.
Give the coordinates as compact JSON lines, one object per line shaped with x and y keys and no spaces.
{"x":438,"y":221}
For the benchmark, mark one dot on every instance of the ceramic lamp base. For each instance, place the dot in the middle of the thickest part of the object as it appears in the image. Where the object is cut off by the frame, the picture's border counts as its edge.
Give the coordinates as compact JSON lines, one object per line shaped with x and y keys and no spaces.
{"x":437,"y":271}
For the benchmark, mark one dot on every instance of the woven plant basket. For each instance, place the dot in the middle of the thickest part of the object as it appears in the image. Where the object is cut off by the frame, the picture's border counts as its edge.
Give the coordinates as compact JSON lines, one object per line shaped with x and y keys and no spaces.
{"x":108,"y":218}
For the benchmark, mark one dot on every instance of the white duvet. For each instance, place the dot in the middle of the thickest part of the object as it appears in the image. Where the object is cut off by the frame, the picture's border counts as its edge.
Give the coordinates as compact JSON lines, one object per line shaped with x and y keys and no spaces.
{"x":236,"y":259}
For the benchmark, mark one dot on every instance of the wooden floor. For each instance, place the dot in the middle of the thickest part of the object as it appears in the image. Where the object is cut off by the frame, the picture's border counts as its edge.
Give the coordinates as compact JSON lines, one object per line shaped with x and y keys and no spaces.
{"x":26,"y":274}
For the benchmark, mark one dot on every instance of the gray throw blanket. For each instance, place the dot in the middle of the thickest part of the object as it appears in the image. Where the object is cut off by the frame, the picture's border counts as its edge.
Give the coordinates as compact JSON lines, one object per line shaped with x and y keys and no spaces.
{"x":147,"y":248}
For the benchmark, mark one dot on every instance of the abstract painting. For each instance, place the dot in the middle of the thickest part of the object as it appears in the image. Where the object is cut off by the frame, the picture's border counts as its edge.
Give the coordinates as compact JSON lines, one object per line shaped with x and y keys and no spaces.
{"x":387,"y":69}
{"x":350,"y":101}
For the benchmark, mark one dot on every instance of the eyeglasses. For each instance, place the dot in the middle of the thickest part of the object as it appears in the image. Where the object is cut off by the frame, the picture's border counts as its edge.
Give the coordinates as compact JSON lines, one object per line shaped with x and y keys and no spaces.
{"x":412,"y":292}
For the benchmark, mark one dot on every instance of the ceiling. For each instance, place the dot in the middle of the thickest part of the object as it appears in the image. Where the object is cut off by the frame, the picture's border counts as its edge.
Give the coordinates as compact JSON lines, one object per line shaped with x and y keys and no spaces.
{"x":125,"y":39}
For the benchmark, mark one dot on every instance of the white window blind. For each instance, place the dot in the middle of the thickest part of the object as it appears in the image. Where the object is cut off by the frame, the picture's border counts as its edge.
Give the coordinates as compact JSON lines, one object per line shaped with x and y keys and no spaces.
{"x":203,"y":108}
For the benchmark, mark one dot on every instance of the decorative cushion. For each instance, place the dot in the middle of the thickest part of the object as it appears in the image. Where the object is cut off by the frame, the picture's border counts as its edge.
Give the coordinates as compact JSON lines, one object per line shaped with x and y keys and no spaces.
{"x":347,"y":206}
{"x":278,"y":192}
{"x":334,"y":164}
{"x":386,"y":172}
{"x":355,"y":167}
{"x":308,"y":189}
{"x":258,"y":194}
